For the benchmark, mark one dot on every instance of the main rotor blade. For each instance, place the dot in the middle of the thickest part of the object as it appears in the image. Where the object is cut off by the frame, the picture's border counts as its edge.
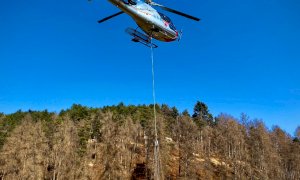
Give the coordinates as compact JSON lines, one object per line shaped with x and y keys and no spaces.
{"x":180,"y":13}
{"x":109,"y":17}
{"x":175,"y":11}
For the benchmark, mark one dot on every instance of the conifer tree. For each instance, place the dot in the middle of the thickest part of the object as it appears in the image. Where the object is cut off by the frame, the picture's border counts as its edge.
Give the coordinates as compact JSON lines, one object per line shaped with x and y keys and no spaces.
{"x":201,"y":115}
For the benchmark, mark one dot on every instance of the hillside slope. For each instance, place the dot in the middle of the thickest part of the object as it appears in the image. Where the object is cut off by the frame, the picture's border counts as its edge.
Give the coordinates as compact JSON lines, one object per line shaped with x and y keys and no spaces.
{"x":116,"y":142}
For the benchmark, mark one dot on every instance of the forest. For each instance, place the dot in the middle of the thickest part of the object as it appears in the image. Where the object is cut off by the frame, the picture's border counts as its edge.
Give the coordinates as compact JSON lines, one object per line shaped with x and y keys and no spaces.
{"x":117,"y":142}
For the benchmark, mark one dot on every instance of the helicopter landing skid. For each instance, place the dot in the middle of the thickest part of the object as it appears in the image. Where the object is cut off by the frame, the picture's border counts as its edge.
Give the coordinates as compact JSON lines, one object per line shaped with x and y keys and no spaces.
{"x":140,"y":37}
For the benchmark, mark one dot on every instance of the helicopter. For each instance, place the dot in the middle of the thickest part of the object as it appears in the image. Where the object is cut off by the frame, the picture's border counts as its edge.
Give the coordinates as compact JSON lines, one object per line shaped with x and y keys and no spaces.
{"x":153,"y":23}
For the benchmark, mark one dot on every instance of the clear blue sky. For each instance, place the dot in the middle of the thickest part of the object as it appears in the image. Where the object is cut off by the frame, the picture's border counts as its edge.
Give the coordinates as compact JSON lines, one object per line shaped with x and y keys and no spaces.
{"x":244,"y":56}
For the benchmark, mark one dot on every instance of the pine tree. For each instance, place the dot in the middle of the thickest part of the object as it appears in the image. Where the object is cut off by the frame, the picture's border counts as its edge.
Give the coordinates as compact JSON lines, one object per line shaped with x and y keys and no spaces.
{"x":201,"y":115}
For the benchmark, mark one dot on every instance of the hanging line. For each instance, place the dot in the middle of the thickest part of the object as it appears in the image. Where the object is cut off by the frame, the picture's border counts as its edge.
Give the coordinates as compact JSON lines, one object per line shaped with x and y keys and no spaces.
{"x":156,"y":144}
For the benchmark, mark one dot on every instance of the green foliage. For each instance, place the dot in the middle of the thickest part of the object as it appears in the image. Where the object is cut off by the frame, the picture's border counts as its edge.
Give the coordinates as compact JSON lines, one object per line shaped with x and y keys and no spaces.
{"x":296,"y":140}
{"x":96,"y":126}
{"x":84,"y":135}
{"x":145,"y":115}
{"x":201,"y":115}
{"x":169,"y":112}
{"x":41,"y":115}
{"x":77,"y":112}
{"x":142,"y":113}
{"x":8,"y":123}
{"x":170,"y":116}
{"x":49,"y":129}
{"x":297,"y":132}
{"x":15,"y":118}
{"x":62,"y":113}
{"x":186,"y":113}
{"x":245,"y":145}
{"x":3,"y":134}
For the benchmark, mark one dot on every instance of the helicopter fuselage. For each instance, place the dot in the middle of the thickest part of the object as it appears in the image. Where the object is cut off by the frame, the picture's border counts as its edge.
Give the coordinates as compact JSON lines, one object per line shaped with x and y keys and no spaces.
{"x":153,"y":23}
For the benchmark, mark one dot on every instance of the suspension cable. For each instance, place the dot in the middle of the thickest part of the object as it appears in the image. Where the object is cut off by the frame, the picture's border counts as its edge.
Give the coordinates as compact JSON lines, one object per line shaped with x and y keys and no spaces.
{"x":156,"y":144}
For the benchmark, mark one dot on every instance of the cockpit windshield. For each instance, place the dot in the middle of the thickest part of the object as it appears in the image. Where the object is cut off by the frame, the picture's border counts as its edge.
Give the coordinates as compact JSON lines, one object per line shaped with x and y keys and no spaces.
{"x":139,"y":1}
{"x":133,"y":2}
{"x":167,"y":19}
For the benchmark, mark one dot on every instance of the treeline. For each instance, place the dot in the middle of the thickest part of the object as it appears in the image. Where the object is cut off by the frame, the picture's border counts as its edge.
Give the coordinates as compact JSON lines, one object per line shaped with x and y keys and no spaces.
{"x":117,"y":142}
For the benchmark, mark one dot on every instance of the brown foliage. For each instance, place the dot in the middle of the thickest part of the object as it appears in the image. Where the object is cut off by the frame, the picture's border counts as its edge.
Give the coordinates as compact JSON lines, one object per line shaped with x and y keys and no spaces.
{"x":118,"y":143}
